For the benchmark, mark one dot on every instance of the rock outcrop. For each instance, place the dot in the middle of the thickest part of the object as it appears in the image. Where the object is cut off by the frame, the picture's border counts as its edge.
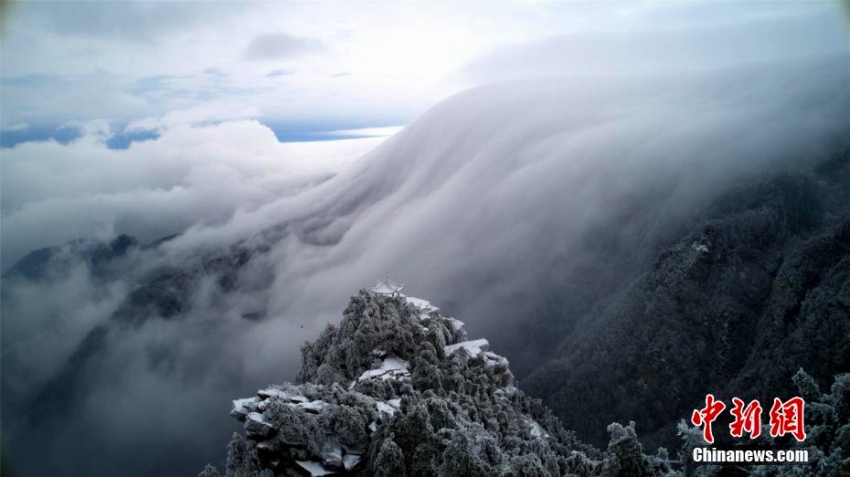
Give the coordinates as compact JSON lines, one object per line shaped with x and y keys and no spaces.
{"x":398,"y":389}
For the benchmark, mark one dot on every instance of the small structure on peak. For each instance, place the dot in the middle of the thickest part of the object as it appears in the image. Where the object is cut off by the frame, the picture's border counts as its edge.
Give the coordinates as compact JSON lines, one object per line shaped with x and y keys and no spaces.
{"x":387,"y":287}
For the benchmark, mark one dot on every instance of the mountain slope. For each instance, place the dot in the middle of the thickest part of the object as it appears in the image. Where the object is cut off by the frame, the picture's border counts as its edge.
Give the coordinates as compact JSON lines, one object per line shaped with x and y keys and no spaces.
{"x":735,"y":307}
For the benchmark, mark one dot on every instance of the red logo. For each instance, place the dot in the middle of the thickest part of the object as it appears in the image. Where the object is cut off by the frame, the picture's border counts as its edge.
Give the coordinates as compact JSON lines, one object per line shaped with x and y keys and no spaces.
{"x":787,"y":418}
{"x":706,"y":416}
{"x":746,"y":419}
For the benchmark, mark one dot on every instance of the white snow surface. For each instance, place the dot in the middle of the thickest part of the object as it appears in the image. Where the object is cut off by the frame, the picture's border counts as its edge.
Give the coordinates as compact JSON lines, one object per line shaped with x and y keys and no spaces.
{"x":423,"y":305}
{"x":350,"y":461}
{"x":536,"y":429}
{"x":314,"y":468}
{"x":391,"y":368}
{"x":240,"y":407}
{"x":283,"y":395}
{"x":472,"y":348}
{"x":312,"y":405}
{"x":385,"y":408}
{"x":258,"y":417}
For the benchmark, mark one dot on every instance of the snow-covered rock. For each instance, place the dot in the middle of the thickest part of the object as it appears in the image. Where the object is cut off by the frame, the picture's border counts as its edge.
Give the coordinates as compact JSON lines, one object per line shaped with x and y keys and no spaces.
{"x":256,"y":426}
{"x":424,"y":306}
{"x":386,"y":392}
{"x":472,"y":348}
{"x":315,"y":469}
{"x":241,"y":407}
{"x":391,"y":368}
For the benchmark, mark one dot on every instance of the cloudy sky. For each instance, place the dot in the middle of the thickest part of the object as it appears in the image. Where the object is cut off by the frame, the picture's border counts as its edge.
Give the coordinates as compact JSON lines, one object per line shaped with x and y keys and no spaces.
{"x":136,"y":117}
{"x":303,"y":68}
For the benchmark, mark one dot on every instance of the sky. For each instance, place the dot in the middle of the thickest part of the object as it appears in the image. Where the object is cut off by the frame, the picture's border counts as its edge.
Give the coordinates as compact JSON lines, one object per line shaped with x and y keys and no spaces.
{"x":303,"y":68}
{"x":163,"y":81}
{"x":300,"y":67}
{"x":469,"y":149}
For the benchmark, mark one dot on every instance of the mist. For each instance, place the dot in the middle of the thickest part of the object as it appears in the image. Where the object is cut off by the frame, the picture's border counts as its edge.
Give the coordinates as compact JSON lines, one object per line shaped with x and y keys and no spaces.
{"x":490,"y":200}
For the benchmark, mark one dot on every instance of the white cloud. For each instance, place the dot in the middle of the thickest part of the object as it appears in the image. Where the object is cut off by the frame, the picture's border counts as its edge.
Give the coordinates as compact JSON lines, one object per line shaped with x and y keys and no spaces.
{"x":279,"y":45}
{"x":191,"y":174}
{"x":16,"y":127}
{"x":89,"y":61}
{"x":380,"y":132}
{"x":485,"y":194}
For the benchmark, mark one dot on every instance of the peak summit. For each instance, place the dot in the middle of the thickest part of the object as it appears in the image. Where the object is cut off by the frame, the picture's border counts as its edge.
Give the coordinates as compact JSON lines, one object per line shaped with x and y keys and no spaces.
{"x":395,"y":385}
{"x":398,"y":389}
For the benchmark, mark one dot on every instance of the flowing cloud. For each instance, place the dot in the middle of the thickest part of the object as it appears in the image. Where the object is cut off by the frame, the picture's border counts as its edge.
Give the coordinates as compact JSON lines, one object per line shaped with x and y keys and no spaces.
{"x":489,"y":193}
{"x":127,"y":60}
{"x":190,"y":174}
{"x":280,"y":72}
{"x":280,"y":46}
{"x":129,"y":21}
{"x":760,"y":35}
{"x":478,"y":205}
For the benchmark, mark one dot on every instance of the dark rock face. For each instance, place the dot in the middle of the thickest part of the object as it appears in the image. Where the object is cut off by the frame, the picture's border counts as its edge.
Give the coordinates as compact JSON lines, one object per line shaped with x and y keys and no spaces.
{"x":97,"y":255}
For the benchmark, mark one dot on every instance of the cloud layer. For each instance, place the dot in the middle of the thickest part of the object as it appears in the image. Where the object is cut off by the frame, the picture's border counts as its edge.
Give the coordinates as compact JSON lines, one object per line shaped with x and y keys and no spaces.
{"x":469,"y":206}
{"x":474,"y":206}
{"x":189,"y":175}
{"x":276,"y":46}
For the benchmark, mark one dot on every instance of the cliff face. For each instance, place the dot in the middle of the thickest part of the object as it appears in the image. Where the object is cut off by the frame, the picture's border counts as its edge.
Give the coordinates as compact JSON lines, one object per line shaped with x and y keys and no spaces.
{"x":397,"y":389}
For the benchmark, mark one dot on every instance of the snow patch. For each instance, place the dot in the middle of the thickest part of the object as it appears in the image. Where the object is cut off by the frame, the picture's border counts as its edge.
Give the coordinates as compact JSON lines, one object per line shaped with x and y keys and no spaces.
{"x":391,"y":368}
{"x":424,"y":305}
{"x":314,"y":468}
{"x":472,"y":348}
{"x":350,"y":461}
{"x":536,"y":429}
{"x":388,"y":407}
{"x":312,"y":406}
{"x":241,"y":407}
{"x":256,"y":425}
{"x":280,"y":394}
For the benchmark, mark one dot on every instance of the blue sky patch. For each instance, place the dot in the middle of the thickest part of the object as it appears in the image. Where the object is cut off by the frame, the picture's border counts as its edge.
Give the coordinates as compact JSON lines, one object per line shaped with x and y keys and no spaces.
{"x":123,"y":140}
{"x":63,"y":135}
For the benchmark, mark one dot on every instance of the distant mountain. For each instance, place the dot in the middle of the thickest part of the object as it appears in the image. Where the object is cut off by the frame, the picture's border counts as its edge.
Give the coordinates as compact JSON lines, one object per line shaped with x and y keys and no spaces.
{"x":162,"y":294}
{"x":96,"y":254}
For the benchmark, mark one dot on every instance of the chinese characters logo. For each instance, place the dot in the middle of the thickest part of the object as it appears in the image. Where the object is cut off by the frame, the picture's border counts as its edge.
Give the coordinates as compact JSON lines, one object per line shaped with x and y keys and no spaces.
{"x":785,"y":418}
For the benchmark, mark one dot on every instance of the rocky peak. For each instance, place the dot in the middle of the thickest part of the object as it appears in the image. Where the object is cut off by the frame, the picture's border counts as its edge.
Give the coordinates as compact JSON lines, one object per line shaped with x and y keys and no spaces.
{"x":397,"y":388}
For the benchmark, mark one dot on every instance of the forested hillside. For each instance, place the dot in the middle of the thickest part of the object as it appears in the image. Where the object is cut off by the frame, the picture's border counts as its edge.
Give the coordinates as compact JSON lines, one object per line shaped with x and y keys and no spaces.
{"x":756,"y":290}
